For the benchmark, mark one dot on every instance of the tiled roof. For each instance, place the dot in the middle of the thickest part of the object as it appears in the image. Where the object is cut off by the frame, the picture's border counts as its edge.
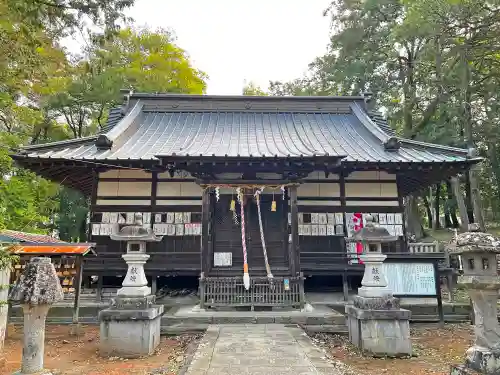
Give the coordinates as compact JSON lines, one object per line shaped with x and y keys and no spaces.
{"x":165,"y":125}
{"x":114,"y":117}
{"x":15,"y":236}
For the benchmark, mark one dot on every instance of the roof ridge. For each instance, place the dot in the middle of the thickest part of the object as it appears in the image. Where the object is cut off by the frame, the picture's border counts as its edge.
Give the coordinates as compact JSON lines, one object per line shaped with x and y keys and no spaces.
{"x":143,"y":95}
{"x":105,"y":141}
{"x":60,"y":143}
{"x":433,"y":145}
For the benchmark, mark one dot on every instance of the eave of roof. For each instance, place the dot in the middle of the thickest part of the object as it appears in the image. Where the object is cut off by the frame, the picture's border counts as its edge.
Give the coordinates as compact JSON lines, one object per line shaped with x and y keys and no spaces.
{"x":148,"y":132}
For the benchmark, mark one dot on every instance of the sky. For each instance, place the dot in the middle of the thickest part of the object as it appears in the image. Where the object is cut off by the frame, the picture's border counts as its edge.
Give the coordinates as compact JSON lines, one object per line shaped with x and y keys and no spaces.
{"x":245,"y":40}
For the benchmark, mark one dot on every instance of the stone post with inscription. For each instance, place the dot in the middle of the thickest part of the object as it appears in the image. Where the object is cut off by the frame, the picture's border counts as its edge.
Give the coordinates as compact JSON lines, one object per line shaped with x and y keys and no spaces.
{"x":478,"y":251}
{"x":36,"y":290}
{"x":130,"y":327}
{"x":375,"y":321}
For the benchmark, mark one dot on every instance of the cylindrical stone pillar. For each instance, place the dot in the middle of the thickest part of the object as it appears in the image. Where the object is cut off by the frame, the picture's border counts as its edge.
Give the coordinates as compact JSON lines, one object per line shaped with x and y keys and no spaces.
{"x":34,"y":338}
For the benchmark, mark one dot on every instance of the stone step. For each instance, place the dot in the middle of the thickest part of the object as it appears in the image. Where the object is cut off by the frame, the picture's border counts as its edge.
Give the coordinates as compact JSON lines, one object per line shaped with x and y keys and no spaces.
{"x":340,"y":329}
{"x":179,"y":328}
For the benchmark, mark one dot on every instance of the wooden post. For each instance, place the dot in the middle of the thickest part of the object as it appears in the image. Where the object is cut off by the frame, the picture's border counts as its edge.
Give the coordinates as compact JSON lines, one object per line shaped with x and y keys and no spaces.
{"x":342,"y":176}
{"x":345,"y":286}
{"x":438,"y":295}
{"x":205,"y":223}
{"x":99,"y":289}
{"x":75,"y":327}
{"x":294,"y":249}
{"x":154,"y":284}
{"x":461,"y":203}
{"x":403,"y":216}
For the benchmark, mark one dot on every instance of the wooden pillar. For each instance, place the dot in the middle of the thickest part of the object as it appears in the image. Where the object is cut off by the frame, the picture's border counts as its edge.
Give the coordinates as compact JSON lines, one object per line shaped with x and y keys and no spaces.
{"x":154,"y":285}
{"x":205,"y":228}
{"x":455,"y":184}
{"x":343,"y":205}
{"x":294,"y":248}
{"x":403,"y":215}
{"x":154,"y":189}
{"x":99,"y":288}
{"x":93,"y":200}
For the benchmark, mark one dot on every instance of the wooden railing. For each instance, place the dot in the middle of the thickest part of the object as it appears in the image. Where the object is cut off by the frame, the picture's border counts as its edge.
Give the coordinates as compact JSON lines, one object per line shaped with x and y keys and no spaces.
{"x":230,"y":292}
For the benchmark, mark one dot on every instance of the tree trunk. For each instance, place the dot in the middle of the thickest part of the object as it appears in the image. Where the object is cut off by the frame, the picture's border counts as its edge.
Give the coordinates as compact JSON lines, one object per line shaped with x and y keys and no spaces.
{"x":451,"y":203}
{"x":460,"y":203}
{"x":437,"y":224}
{"x":468,"y":199}
{"x":414,"y":224}
{"x":476,"y":194}
{"x":495,"y":164}
{"x":428,"y":210}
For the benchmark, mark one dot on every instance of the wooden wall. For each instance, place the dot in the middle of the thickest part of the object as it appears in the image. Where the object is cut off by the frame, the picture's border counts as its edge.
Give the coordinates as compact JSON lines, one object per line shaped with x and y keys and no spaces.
{"x":320,"y":197}
{"x":159,"y":197}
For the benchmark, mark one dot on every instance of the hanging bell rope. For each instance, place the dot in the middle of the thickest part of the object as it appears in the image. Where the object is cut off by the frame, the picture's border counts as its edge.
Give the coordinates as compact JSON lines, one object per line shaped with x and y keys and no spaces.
{"x":246,"y":276}
{"x":262,"y":239}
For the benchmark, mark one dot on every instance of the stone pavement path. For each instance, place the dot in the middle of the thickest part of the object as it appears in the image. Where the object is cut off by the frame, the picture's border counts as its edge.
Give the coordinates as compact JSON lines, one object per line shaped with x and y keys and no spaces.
{"x":258,"y":349}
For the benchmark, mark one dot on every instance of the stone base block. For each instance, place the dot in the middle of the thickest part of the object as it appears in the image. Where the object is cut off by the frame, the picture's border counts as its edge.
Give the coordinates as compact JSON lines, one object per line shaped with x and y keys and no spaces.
{"x":130,"y":333}
{"x":387,"y":302}
{"x":380,"y":332}
{"x":75,"y":329}
{"x":462,"y":370}
{"x":483,"y":360}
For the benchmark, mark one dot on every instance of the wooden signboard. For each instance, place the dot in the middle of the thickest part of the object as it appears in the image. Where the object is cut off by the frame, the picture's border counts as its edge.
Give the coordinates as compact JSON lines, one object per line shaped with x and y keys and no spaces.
{"x":407,"y":279}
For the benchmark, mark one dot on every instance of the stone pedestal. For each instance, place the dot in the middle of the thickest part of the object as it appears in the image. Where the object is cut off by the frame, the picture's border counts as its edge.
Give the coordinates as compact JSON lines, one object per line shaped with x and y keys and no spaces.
{"x":374,"y":283}
{"x":379,"y":326}
{"x":130,"y":327}
{"x":135,"y":283}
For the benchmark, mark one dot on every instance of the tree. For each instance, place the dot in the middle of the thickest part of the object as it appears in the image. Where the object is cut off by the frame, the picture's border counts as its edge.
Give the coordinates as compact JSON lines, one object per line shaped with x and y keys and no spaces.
{"x":432,"y":66}
{"x":143,"y":60}
{"x":251,"y":89}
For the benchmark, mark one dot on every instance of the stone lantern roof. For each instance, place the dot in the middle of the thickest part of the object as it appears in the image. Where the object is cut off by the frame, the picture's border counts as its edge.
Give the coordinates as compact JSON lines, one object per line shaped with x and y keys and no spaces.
{"x":136,"y":232}
{"x":373,"y":233}
{"x":469,"y":242}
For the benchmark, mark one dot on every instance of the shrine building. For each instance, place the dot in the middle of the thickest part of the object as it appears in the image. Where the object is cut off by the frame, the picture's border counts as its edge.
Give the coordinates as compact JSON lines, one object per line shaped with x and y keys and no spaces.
{"x":244,"y":185}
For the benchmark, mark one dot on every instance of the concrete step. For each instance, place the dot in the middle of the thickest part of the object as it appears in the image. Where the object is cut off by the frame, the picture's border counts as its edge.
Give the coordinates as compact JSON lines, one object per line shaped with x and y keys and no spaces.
{"x":340,"y":329}
{"x":257,"y":318}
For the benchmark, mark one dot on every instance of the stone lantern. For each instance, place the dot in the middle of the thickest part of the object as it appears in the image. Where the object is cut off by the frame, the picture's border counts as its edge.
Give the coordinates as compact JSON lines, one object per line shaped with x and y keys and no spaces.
{"x":37,"y":289}
{"x":375,"y":321}
{"x":130,"y":327}
{"x":372,"y":236}
{"x":478,"y":251}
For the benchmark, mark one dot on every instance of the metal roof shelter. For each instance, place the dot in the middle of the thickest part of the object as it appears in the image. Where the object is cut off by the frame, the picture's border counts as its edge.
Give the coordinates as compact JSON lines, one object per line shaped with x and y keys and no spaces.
{"x":163,"y":130}
{"x":14,"y":236}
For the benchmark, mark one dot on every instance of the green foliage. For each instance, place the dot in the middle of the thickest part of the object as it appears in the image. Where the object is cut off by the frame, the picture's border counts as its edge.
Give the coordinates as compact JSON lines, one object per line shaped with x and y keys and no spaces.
{"x":7,"y":259}
{"x":48,"y":95}
{"x":251,"y":89}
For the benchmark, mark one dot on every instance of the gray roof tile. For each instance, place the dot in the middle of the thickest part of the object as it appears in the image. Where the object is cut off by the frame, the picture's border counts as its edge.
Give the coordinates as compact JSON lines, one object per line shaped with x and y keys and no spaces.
{"x":353,"y":135}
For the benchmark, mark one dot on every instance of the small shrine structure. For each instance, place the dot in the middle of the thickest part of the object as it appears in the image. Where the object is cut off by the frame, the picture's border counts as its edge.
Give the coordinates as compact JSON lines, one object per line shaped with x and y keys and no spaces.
{"x":68,"y":261}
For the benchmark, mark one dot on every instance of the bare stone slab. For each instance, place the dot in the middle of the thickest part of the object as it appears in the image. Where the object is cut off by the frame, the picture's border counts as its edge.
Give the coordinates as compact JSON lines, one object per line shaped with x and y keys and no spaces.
{"x":258,"y":349}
